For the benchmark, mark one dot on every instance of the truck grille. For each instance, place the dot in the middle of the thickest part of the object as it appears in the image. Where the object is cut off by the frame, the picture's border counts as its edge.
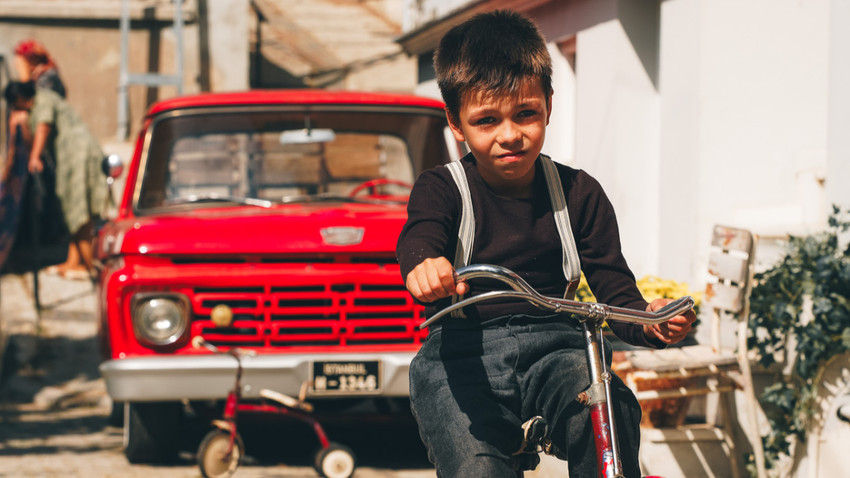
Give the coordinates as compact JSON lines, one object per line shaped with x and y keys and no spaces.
{"x":317,"y":315}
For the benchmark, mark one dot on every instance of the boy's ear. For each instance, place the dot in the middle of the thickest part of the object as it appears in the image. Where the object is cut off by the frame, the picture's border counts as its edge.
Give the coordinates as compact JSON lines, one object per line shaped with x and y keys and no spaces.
{"x":454,"y":125}
{"x":548,"y":108}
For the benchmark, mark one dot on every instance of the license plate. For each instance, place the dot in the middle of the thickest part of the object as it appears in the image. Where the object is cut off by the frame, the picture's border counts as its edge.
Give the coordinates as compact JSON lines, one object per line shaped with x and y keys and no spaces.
{"x":346,"y":377}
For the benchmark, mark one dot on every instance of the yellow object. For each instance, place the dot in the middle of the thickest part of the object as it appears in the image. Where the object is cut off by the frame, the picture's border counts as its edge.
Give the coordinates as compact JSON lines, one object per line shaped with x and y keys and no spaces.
{"x":222,"y":316}
{"x":651,"y":287}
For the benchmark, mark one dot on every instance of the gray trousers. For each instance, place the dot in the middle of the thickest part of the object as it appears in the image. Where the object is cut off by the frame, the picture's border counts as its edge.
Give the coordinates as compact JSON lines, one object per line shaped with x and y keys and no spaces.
{"x":473,"y":384}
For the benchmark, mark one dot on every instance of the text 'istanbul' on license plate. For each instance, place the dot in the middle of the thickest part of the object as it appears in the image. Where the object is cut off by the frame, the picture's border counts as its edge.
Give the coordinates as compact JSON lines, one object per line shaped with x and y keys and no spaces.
{"x":347,"y":377}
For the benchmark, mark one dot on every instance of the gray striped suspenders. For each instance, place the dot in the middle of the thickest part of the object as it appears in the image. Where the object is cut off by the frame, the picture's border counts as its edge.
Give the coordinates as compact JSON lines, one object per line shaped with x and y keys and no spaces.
{"x":569,"y":251}
{"x":466,"y":231}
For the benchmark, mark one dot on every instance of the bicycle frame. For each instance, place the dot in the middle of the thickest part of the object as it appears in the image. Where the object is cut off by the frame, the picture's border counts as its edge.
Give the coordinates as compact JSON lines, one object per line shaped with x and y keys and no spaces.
{"x":598,"y":399}
{"x":232,"y":404}
{"x":591,"y":316}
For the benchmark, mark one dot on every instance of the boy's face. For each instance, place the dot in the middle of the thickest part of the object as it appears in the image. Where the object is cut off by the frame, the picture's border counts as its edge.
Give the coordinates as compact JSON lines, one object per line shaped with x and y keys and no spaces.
{"x":505,"y":134}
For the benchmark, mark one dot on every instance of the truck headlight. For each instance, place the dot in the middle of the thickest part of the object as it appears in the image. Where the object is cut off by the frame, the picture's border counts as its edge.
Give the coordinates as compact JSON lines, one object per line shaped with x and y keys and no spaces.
{"x":160,"y":319}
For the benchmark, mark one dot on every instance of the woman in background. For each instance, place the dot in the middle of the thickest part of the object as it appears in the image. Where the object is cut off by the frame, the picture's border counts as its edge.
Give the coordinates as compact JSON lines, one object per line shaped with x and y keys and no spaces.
{"x":34,"y":63}
{"x":58,"y":138}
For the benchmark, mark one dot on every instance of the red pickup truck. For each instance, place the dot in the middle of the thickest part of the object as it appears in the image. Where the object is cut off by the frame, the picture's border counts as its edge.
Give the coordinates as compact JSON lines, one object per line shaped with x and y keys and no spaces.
{"x":268,"y":221}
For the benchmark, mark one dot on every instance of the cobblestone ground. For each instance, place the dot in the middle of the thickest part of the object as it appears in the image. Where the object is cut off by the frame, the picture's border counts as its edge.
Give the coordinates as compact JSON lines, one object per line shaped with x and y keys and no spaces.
{"x":54,"y":409}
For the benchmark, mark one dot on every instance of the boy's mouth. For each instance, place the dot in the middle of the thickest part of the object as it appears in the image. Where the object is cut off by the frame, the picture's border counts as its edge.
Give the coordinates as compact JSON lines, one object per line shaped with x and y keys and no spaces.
{"x":514,"y":156}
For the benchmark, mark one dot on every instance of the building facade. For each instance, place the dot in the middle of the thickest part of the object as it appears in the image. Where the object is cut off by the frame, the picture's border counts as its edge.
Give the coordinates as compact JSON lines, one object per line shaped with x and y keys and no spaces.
{"x":223,"y":45}
{"x":689,"y":112}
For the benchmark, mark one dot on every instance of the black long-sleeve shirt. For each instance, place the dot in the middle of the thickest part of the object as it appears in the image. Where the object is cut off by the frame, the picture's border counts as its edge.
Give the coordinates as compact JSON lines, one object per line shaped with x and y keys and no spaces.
{"x":520,"y":234}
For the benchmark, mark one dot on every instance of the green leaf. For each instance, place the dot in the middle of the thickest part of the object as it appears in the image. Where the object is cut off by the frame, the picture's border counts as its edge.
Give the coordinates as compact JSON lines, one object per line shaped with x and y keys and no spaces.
{"x":812,"y":266}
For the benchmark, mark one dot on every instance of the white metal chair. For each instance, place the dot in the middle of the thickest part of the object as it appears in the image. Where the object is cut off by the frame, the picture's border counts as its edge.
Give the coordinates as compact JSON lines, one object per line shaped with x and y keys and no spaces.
{"x":709,"y":370}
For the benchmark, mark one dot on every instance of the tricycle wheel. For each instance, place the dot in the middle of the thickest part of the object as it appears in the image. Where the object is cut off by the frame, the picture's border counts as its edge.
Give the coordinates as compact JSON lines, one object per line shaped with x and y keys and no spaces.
{"x":213,"y":457}
{"x":335,"y":461}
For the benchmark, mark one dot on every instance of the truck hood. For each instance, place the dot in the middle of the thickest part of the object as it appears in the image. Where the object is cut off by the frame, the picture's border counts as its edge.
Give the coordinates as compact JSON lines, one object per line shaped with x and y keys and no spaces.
{"x":285,"y":229}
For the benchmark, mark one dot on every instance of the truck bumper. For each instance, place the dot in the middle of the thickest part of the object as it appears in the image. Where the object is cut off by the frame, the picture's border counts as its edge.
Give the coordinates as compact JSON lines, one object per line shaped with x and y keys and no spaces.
{"x":205,"y":377}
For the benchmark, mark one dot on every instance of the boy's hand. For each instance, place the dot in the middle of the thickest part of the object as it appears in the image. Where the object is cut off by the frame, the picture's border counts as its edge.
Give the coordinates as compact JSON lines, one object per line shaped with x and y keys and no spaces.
{"x":674,"y":329}
{"x":434,"y":279}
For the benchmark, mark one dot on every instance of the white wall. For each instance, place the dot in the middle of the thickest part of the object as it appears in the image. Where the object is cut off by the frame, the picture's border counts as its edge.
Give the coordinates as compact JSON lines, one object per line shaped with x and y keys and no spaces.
{"x":617,"y":130}
{"x":734,"y":131}
{"x":561,"y":132}
{"x":228,"y":44}
{"x":695,"y":112}
{"x":760,"y":88}
{"x":679,"y":149}
{"x":763,"y":113}
{"x":838,"y":168}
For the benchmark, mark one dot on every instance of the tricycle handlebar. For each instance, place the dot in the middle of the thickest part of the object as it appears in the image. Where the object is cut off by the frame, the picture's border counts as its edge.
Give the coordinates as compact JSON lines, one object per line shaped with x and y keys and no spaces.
{"x":583,"y":310}
{"x":199,"y":342}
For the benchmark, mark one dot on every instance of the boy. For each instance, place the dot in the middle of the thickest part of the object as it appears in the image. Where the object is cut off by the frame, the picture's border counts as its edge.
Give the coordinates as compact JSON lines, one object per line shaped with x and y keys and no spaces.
{"x":477,"y":379}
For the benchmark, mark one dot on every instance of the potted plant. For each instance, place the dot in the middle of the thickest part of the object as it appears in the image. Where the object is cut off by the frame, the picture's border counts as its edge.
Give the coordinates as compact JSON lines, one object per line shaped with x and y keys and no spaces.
{"x":800,"y":308}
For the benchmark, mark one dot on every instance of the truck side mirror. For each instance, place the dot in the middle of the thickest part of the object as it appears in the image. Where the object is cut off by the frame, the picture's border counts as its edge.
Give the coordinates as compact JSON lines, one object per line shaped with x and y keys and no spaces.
{"x":112,"y":167}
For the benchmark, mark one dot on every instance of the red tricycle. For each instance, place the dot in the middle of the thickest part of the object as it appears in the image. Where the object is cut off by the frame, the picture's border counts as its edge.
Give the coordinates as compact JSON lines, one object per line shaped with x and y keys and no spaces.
{"x":222,"y":448}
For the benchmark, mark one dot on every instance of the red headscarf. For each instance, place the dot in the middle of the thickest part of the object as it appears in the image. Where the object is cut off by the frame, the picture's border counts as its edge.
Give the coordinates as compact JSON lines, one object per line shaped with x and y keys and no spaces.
{"x":35,"y":53}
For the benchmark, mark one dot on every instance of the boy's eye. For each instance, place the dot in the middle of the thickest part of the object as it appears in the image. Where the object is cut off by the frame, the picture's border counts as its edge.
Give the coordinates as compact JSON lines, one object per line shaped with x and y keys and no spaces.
{"x":485,"y":120}
{"x":527,"y":113}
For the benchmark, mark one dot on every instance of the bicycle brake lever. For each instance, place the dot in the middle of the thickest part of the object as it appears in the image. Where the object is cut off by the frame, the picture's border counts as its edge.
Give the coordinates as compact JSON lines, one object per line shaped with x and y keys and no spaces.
{"x":677,"y":307}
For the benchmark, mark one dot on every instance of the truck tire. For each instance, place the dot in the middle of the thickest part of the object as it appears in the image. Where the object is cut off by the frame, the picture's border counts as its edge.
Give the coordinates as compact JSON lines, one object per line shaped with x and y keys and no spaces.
{"x":116,"y":415}
{"x":151,"y":431}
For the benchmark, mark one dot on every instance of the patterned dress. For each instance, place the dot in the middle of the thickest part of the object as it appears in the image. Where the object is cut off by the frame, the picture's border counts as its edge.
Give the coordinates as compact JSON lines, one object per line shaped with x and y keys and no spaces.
{"x":50,"y":80}
{"x":76,"y":155}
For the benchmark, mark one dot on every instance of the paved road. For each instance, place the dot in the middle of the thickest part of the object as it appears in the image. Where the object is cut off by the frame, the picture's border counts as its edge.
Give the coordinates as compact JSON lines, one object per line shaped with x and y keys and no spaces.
{"x":54,"y":409}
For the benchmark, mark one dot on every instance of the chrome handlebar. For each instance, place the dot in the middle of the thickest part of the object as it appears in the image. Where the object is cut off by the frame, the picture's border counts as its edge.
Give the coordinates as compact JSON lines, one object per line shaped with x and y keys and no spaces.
{"x":584,"y":310}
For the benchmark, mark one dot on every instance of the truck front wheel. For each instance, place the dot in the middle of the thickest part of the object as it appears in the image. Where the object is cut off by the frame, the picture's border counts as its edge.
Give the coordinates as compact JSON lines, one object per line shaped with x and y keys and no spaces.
{"x":151,"y":431}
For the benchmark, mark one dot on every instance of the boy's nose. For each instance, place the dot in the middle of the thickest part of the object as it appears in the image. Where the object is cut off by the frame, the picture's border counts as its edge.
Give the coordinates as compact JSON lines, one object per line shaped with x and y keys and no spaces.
{"x":509,"y":133}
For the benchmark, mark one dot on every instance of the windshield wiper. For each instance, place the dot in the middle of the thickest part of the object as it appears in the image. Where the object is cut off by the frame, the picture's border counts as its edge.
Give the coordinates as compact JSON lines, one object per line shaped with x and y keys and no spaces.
{"x":213,"y":197}
{"x":329,"y":197}
{"x":296,"y":198}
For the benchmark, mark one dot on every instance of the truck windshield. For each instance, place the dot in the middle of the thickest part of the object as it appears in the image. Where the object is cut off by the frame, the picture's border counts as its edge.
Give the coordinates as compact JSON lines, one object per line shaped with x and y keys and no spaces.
{"x":260,"y":156}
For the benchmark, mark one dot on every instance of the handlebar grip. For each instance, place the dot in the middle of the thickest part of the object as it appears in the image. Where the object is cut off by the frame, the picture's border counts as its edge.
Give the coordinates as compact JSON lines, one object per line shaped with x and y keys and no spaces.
{"x":198,"y":342}
{"x":677,"y":307}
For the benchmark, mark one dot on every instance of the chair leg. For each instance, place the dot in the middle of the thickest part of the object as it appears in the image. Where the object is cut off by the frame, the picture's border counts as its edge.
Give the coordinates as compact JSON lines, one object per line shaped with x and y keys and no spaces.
{"x":729,"y":429}
{"x":752,"y":401}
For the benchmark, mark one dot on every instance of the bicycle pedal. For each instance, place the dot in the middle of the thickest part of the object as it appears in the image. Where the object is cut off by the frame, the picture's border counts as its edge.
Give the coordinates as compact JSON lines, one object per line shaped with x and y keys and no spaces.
{"x":534,"y":435}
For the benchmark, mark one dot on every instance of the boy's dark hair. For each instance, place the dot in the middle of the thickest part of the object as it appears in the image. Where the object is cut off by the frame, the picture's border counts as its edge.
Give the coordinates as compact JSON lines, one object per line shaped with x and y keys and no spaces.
{"x":16,"y":90}
{"x":493,"y":52}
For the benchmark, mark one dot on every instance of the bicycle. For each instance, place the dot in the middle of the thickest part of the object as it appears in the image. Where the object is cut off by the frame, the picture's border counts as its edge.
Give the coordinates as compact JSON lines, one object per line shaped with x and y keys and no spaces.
{"x":222,"y":449}
{"x":591,"y":316}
